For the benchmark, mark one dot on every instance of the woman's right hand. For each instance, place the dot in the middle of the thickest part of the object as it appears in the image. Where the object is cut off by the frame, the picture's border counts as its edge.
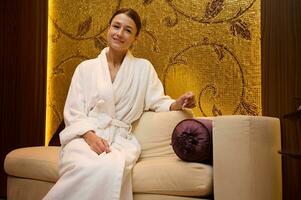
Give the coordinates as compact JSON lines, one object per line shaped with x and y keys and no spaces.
{"x":97,"y":144}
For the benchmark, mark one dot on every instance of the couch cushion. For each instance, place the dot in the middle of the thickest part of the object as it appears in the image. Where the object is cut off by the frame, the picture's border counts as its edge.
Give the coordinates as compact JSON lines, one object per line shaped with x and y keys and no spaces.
{"x":40,"y":163}
{"x":172,"y":176}
{"x":154,"y":130}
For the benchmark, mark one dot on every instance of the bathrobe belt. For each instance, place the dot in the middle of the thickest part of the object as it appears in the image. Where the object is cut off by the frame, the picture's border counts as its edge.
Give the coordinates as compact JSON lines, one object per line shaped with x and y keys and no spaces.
{"x":104,"y":121}
{"x":120,"y":124}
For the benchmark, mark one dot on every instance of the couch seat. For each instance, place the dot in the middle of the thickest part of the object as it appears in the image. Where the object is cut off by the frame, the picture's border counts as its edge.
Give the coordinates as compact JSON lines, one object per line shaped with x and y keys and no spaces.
{"x":158,"y":175}
{"x":38,"y":163}
{"x":172,"y":176}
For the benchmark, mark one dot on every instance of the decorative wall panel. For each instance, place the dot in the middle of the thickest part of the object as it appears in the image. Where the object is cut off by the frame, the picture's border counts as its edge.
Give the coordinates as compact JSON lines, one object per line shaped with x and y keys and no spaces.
{"x":210,"y":47}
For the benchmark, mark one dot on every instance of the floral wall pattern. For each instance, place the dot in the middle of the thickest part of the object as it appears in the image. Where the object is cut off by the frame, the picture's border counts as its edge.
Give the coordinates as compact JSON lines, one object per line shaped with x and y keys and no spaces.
{"x":210,"y":47}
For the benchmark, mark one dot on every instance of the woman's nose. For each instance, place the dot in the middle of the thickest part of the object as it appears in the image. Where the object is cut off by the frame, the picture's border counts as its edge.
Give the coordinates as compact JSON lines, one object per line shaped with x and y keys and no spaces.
{"x":119,"y":32}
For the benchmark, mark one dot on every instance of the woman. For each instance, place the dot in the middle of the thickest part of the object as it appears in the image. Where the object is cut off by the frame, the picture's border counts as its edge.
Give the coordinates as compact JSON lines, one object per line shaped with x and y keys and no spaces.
{"x":106,"y":95}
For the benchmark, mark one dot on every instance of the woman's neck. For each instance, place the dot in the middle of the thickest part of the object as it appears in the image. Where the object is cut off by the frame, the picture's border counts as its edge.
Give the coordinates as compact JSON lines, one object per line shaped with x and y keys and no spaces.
{"x":115,"y":58}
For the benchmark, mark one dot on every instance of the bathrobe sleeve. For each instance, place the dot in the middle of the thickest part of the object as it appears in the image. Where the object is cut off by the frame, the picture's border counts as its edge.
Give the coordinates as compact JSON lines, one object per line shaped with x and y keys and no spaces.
{"x":155,"y":98}
{"x":75,"y":110}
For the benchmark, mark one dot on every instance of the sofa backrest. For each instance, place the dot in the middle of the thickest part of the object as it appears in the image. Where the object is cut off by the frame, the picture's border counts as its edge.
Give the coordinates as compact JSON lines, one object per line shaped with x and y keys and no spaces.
{"x":153,"y":130}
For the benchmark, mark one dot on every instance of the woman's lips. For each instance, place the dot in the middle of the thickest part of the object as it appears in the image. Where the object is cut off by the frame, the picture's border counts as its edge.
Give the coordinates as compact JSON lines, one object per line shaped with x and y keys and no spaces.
{"x":117,"y":40}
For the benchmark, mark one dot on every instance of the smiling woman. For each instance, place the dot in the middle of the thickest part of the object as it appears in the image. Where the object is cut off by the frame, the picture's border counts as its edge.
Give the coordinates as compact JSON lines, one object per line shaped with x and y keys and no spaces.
{"x":107,"y":94}
{"x":122,"y":33}
{"x":124,"y":29}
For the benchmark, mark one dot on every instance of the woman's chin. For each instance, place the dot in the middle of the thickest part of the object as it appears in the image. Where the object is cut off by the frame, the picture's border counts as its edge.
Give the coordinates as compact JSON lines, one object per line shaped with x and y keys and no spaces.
{"x":120,"y":48}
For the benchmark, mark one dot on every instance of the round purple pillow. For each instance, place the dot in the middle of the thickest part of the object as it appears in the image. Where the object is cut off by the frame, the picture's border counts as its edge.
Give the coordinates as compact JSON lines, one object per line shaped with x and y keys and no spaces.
{"x":192,"y":140}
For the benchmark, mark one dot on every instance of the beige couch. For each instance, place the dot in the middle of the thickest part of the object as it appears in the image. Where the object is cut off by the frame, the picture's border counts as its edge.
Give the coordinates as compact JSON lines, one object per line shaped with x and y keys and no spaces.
{"x":246,"y":165}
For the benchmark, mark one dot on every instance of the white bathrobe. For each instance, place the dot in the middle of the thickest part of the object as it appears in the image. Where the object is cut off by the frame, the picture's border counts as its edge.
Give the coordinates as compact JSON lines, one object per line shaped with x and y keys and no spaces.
{"x":95,"y":103}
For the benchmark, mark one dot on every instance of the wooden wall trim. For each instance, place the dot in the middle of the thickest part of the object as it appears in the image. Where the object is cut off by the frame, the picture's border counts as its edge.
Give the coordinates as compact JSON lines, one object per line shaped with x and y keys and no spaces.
{"x":281,"y":80}
{"x":23,"y":59}
{"x":281,"y":56}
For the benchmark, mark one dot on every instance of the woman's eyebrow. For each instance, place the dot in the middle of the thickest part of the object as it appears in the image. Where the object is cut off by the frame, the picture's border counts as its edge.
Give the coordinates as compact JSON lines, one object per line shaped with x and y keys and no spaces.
{"x":129,"y":27}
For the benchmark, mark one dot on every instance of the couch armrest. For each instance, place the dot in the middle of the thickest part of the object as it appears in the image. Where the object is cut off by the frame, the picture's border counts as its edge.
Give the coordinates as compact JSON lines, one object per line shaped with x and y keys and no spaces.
{"x":246,"y":164}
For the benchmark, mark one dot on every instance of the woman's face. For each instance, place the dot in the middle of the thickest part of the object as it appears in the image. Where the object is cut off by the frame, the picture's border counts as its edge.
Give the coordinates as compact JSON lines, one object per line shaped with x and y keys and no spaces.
{"x":121,"y":33}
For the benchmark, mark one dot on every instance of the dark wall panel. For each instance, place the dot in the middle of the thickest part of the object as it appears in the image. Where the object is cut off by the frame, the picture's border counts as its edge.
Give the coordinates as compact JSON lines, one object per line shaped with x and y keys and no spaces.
{"x":281,"y":52}
{"x":281,"y":78}
{"x":23,"y":40}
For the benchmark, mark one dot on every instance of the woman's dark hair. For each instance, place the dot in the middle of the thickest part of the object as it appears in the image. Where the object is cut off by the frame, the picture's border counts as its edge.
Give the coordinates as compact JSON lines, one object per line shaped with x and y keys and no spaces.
{"x":131,"y":13}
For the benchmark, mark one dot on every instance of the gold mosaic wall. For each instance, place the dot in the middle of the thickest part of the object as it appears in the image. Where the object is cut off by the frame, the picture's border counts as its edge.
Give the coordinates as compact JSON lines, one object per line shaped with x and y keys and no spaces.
{"x":210,"y":47}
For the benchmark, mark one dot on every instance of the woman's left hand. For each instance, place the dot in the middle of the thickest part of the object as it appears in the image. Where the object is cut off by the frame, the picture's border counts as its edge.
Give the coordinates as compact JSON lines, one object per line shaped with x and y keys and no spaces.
{"x":184,"y":101}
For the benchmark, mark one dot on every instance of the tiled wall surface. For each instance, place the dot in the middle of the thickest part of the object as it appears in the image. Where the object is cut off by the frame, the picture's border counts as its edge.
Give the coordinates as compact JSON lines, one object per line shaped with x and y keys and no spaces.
{"x":210,"y":47}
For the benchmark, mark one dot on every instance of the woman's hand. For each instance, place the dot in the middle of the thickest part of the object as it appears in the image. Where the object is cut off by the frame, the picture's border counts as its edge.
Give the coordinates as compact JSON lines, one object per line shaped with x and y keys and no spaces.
{"x":184,"y":101}
{"x":97,"y":144}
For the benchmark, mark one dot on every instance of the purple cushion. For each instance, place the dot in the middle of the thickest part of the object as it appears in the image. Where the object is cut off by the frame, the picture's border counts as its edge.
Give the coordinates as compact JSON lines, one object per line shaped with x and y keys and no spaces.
{"x":192,"y":140}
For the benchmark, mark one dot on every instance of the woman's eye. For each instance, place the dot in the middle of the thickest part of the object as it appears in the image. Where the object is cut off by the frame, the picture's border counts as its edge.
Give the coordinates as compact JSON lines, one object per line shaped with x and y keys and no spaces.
{"x":115,"y":26}
{"x":129,"y":31}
